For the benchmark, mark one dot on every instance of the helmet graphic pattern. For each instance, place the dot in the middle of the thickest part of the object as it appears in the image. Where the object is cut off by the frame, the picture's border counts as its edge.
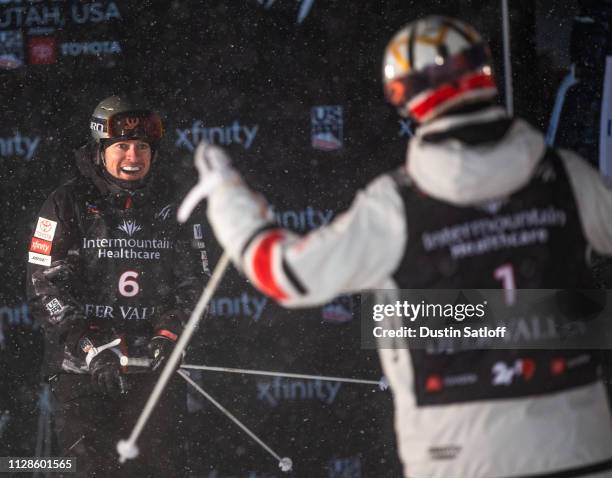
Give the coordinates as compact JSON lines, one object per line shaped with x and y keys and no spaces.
{"x":117,"y":117}
{"x":434,"y":64}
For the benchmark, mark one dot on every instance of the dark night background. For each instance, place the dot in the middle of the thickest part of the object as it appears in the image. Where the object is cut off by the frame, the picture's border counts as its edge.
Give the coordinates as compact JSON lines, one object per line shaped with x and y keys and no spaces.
{"x":253,"y":64}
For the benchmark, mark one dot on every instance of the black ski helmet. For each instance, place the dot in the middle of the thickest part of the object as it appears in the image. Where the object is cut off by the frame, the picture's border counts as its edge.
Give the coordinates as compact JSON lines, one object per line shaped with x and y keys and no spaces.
{"x":118,"y":117}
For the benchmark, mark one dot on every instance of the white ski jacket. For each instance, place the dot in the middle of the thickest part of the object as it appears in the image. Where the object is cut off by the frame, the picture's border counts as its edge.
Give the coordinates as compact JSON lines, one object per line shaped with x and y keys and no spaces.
{"x":362,"y":248}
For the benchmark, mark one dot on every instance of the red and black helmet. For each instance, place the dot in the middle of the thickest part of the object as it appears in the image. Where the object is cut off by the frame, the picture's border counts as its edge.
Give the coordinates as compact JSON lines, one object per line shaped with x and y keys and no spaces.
{"x":435,"y":64}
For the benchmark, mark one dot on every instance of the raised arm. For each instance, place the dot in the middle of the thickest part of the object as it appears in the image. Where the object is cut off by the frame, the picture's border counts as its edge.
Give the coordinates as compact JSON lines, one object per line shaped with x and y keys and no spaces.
{"x":311,"y":269}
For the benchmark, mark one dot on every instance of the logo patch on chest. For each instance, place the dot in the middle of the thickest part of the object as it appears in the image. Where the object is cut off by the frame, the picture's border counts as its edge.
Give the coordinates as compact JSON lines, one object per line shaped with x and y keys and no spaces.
{"x":130,"y":227}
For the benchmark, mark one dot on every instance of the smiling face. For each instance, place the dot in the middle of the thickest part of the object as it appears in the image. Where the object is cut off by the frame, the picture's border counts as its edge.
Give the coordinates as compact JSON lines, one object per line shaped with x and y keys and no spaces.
{"x":128,"y":160}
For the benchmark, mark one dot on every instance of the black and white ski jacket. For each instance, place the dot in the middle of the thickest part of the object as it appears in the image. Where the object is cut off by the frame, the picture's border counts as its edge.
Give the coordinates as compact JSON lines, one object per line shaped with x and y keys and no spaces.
{"x":478,"y":191}
{"x":106,"y":263}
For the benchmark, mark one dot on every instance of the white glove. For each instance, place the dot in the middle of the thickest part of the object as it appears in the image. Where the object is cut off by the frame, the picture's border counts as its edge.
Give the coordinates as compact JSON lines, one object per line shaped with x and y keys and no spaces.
{"x":214,"y":166}
{"x":93,"y":351}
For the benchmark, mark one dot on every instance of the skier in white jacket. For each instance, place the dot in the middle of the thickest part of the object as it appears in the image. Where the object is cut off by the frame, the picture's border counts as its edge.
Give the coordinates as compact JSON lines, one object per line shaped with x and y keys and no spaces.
{"x":467,"y":203}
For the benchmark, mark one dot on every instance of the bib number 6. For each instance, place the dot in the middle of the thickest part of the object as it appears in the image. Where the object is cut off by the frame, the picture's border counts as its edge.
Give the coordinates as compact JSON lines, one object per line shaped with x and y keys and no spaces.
{"x":128,"y":287}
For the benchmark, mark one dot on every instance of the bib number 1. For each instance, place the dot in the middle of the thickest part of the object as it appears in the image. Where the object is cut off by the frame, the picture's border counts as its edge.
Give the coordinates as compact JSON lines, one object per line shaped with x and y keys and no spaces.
{"x":505,"y":274}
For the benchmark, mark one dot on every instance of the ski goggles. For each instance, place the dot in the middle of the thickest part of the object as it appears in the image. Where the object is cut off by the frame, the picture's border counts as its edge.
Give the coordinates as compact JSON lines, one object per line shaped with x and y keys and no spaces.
{"x":130,"y":124}
{"x":404,"y":88}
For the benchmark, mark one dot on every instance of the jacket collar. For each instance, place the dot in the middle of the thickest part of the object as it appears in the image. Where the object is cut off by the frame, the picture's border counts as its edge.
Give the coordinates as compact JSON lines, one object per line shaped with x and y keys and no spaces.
{"x":461,"y":173}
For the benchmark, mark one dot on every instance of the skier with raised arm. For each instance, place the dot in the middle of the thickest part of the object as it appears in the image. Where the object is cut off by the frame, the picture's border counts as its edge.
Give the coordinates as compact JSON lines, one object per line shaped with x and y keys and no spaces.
{"x":468,"y":163}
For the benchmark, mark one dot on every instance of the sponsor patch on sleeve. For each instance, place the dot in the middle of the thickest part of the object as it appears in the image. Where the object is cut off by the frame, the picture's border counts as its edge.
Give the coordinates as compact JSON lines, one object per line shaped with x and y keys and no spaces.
{"x":205,"y":266}
{"x":198,"y":244}
{"x":40,"y":259}
{"x":45,"y":229}
{"x":41,"y":246}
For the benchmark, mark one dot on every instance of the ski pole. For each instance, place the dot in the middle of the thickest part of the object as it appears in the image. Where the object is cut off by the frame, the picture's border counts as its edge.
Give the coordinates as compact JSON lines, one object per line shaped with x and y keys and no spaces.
{"x":128,"y":449}
{"x":382,"y":383}
{"x":285,"y":464}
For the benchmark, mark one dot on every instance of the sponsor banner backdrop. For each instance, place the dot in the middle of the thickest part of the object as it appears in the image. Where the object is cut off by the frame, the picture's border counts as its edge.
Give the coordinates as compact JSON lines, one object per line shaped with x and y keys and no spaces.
{"x":292,"y":90}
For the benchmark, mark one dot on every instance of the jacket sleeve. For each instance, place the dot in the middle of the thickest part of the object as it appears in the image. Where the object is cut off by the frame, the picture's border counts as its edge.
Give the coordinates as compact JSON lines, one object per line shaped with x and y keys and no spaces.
{"x":594,"y":199}
{"x":190,"y":272}
{"x":360,"y":249}
{"x":53,"y":271}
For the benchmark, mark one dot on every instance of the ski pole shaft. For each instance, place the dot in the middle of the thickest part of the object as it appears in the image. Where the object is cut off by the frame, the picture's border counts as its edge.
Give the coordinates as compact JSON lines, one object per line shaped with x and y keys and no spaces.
{"x":507,"y":59}
{"x":281,"y":374}
{"x":284,"y":463}
{"x":127,"y":449}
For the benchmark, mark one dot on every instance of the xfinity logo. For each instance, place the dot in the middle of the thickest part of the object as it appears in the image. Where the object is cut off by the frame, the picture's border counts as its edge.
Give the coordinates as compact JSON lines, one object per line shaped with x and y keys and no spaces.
{"x":301,"y":220}
{"x":278,"y":389}
{"x":406,"y":128}
{"x":244,"y":305}
{"x":224,"y":135}
{"x":91,"y":48}
{"x":17,"y":145}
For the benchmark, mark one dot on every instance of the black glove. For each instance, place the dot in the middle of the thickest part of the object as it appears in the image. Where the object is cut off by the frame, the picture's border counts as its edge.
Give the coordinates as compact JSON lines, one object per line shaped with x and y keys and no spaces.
{"x":106,"y":376}
{"x":160,"y":348}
